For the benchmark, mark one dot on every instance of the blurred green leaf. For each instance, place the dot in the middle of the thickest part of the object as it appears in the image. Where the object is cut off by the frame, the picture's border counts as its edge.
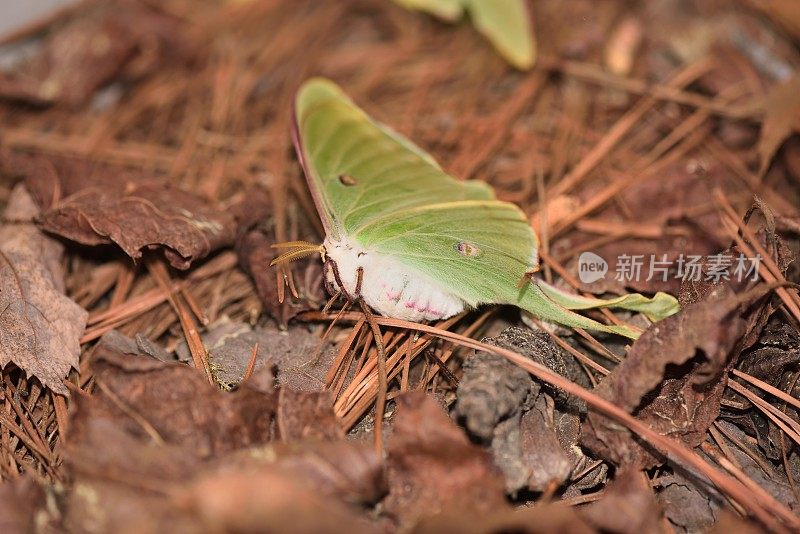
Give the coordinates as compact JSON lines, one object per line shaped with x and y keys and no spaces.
{"x":506,"y":23}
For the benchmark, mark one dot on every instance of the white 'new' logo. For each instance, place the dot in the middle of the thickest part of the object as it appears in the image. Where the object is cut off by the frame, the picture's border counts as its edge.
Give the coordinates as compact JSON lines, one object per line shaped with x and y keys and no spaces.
{"x":591,"y":267}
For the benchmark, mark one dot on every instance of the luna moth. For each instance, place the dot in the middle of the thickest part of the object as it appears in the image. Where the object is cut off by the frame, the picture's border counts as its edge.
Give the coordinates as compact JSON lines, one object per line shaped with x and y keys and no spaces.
{"x":505,"y":23}
{"x":411,"y":241}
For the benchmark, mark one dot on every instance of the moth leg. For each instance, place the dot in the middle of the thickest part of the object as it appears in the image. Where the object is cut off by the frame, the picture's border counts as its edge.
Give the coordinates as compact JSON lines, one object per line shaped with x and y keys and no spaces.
{"x":326,"y":266}
{"x":359,"y":280}
{"x":338,"y":278}
{"x":383,"y":381}
{"x":448,"y":374}
{"x":330,"y":302}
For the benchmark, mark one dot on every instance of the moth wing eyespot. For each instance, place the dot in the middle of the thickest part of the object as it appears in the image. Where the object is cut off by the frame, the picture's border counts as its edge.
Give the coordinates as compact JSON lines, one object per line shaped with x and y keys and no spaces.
{"x":347,"y":180}
{"x":467,"y":249}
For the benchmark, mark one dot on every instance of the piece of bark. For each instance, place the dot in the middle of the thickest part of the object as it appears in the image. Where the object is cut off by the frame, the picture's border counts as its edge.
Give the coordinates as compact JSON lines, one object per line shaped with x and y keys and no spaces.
{"x":501,"y":404}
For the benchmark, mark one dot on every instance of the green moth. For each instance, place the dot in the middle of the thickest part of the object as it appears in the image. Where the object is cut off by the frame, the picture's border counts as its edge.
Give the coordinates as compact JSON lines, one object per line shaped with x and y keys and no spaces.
{"x":506,"y":23}
{"x":411,"y":241}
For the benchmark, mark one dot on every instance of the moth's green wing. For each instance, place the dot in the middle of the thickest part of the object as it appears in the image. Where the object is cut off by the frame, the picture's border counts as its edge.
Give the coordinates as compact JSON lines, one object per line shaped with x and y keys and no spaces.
{"x":478,"y":250}
{"x":358,"y":169}
{"x":505,"y":23}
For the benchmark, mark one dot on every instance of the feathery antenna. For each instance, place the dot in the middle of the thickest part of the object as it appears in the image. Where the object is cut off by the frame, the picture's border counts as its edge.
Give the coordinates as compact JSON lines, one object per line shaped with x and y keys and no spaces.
{"x":296,"y":250}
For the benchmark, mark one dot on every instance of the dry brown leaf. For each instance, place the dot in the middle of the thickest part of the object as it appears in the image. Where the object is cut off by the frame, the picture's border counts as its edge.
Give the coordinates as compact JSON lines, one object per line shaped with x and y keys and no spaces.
{"x":673,"y":377}
{"x":125,"y":481}
{"x":304,"y":415}
{"x":96,"y":204}
{"x":174,"y":402}
{"x":688,"y":504}
{"x":50,"y":178}
{"x":432,"y":466}
{"x":255,"y":252}
{"x":544,"y":518}
{"x":121,"y":478}
{"x":20,"y":503}
{"x":343,"y":470}
{"x":781,"y":120}
{"x":145,"y":215}
{"x":89,"y":49}
{"x":628,"y":506}
{"x":40,"y":327}
{"x":267,"y":501}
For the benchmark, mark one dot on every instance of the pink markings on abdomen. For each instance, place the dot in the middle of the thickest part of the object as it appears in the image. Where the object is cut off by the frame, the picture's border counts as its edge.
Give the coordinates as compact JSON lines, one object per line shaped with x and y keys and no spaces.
{"x":412,"y":304}
{"x":393,"y":295}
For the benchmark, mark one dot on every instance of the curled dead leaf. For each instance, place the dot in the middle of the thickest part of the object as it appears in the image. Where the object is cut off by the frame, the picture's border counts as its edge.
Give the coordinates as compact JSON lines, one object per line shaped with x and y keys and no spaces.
{"x":673,"y":377}
{"x":95,"y":204}
{"x":145,"y":215}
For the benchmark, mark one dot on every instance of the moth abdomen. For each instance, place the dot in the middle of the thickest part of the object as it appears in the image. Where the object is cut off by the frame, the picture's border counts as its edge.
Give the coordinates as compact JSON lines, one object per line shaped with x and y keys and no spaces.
{"x":388,"y":286}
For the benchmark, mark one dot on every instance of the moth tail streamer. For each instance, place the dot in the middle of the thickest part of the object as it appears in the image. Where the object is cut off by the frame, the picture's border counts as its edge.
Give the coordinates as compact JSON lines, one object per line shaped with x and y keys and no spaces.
{"x":659,"y":307}
{"x":552,"y":304}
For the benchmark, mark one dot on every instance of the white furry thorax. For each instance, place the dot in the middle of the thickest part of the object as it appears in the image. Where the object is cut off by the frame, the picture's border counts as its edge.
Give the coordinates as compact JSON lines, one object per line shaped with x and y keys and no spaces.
{"x":388,"y":286}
